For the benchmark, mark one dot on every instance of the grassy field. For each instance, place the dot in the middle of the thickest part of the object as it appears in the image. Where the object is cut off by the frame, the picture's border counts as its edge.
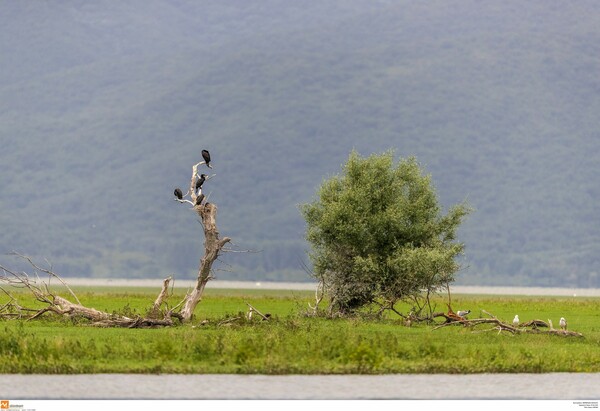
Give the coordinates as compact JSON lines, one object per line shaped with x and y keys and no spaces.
{"x":294,"y":344}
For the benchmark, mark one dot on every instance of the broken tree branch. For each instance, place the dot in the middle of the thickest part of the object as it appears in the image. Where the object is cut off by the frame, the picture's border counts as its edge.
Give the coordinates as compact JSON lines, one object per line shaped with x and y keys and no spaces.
{"x":264,"y":317}
{"x":61,"y":306}
{"x":318,"y":296}
{"x":501,"y":326}
{"x":162,"y":296}
{"x":47,"y":271}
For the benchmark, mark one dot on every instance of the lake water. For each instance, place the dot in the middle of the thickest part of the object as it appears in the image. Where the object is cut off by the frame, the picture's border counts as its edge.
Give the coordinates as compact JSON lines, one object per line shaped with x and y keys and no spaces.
{"x":554,"y":386}
{"x":265,"y":285}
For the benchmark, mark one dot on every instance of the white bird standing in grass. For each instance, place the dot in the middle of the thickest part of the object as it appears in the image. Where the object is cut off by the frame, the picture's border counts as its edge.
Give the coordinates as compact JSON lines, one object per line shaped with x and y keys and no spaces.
{"x":563,"y":323}
{"x":516,"y":320}
{"x":463,"y":313}
{"x":250,"y":311}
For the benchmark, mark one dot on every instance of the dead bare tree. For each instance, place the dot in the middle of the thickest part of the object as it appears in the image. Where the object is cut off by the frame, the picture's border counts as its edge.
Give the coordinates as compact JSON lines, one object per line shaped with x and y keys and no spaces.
{"x":213,"y":245}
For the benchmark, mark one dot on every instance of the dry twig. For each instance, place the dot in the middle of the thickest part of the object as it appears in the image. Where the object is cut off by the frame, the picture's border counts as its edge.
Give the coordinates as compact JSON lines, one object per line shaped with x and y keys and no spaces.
{"x":264,"y":317}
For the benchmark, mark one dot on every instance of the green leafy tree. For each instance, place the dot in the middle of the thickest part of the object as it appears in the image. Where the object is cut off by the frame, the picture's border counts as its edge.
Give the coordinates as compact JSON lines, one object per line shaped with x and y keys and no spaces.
{"x":378,"y":235}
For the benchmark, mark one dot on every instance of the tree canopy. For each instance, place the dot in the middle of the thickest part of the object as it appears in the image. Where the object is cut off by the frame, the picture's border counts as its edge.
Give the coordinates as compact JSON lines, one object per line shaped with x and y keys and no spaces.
{"x":378,"y":233}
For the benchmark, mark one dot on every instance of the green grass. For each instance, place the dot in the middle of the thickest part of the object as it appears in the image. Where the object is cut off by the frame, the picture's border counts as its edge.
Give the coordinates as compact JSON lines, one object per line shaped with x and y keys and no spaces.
{"x":294,"y":344}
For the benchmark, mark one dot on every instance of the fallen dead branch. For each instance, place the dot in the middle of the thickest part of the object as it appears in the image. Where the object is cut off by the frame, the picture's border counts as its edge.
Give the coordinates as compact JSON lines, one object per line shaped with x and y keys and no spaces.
{"x":162,"y":296}
{"x":532,"y":326}
{"x":55,"y":304}
{"x":265,"y":317}
{"x":47,"y":271}
{"x":138,"y":322}
{"x":228,"y":321}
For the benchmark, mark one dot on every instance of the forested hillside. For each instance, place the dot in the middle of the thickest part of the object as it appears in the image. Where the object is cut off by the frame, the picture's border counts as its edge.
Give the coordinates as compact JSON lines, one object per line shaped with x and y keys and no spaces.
{"x":106,"y":105}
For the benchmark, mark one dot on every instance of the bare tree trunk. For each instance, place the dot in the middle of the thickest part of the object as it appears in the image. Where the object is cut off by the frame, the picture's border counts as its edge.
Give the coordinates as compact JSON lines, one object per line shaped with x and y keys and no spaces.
{"x":212,"y":248}
{"x":67,"y":307}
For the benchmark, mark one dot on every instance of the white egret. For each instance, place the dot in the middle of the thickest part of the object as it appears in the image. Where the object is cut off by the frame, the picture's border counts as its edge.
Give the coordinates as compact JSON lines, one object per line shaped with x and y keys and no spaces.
{"x":563,"y":323}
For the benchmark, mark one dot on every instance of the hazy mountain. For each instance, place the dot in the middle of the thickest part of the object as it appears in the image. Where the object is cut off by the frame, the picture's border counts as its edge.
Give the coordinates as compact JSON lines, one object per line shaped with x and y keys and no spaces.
{"x":106,"y":105}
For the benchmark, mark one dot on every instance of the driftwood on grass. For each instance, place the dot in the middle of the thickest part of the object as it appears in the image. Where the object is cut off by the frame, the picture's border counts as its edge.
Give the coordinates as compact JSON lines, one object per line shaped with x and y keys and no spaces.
{"x":532,"y":326}
{"x":58,"y":305}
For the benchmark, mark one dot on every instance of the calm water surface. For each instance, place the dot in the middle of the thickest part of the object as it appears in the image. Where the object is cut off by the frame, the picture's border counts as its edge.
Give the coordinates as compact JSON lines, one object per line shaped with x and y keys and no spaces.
{"x":554,"y":386}
{"x":257,"y":285}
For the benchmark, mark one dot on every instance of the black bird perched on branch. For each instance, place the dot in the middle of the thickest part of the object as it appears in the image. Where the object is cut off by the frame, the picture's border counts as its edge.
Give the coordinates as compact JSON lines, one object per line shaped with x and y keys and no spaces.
{"x":178,"y":193}
{"x":199,"y":199}
{"x":206,"y":157}
{"x":199,"y":183}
